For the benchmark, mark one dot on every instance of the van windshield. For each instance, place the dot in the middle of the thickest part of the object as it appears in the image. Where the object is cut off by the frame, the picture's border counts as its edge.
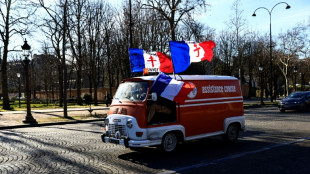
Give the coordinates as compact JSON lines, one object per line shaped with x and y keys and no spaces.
{"x":132,"y":91}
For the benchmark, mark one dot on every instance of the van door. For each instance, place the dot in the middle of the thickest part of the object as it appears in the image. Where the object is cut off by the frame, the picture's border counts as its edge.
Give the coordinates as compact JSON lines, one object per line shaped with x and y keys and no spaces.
{"x":162,"y":111}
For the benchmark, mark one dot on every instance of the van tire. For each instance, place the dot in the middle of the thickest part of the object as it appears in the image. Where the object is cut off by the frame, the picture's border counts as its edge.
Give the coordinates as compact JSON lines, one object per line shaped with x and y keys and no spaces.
{"x":169,"y":142}
{"x":232,"y":133}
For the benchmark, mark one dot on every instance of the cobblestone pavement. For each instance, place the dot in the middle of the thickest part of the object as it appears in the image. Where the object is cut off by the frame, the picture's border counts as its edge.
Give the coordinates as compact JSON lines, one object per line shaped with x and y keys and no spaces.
{"x":75,"y":148}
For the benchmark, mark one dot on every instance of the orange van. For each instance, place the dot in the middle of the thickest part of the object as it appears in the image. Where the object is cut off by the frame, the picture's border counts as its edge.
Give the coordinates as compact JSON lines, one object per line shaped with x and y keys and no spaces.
{"x":139,"y":118}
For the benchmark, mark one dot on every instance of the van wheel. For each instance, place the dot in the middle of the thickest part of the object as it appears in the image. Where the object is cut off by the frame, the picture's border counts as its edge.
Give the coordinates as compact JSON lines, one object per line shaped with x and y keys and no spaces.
{"x":232,"y":133}
{"x":169,"y":142}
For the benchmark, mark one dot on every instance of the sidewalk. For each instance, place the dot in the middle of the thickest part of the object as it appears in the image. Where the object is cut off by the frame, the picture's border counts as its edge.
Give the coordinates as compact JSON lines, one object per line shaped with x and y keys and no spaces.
{"x":13,"y":119}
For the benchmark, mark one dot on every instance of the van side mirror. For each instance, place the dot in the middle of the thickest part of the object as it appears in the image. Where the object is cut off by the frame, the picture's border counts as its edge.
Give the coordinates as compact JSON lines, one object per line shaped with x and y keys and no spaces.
{"x":153,"y":97}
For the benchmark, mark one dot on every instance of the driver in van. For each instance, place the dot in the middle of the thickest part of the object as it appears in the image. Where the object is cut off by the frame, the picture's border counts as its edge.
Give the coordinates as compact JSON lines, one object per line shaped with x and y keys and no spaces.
{"x":142,"y":93}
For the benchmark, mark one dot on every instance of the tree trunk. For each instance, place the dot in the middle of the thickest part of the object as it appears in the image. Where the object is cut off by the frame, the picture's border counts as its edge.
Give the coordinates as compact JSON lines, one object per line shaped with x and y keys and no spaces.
{"x":65,"y":26}
{"x":61,"y":89}
{"x":79,"y":84}
{"x":5,"y":92}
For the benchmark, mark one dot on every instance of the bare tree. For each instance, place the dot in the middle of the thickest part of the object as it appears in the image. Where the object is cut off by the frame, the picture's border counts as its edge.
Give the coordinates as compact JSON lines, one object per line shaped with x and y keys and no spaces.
{"x":109,"y":29}
{"x":224,"y":50}
{"x":52,"y":28}
{"x":291,"y":44}
{"x":94,"y":45}
{"x":14,"y":20}
{"x":173,"y":11}
{"x":59,"y":33}
{"x":237,"y":24}
{"x":77,"y":28}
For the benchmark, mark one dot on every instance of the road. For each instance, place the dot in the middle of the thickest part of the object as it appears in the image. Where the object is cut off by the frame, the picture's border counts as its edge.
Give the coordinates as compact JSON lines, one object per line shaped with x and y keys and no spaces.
{"x":274,"y":143}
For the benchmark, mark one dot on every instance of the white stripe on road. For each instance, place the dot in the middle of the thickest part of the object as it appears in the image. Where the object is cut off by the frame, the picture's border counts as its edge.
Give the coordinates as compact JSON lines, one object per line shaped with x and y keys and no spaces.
{"x":204,"y":164}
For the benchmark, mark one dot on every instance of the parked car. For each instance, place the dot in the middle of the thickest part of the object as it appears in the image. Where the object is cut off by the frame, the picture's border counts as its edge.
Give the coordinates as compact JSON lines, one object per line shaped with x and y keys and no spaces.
{"x":299,"y":100}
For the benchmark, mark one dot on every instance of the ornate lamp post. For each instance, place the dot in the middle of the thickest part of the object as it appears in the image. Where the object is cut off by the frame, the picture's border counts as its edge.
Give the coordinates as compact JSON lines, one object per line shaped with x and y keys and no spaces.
{"x":295,"y":72}
{"x":260,"y":68}
{"x":270,"y":44}
{"x":26,"y":52}
{"x":18,"y":75}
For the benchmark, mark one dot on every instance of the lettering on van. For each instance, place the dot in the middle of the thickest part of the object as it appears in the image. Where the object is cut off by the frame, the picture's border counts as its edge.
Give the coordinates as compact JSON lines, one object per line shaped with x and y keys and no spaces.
{"x":218,"y":89}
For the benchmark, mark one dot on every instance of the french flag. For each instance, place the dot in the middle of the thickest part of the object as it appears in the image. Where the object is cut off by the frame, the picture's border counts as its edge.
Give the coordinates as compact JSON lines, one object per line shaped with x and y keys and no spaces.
{"x":183,"y":54}
{"x":171,"y":89}
{"x":154,"y":62}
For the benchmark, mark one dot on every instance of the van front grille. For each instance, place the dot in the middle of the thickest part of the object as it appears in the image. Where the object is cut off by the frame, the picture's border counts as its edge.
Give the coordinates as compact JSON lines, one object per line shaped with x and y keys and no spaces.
{"x":114,"y":128}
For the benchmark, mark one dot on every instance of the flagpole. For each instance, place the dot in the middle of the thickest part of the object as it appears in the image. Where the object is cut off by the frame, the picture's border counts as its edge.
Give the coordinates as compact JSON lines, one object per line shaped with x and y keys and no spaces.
{"x":130,"y":35}
{"x":172,"y":62}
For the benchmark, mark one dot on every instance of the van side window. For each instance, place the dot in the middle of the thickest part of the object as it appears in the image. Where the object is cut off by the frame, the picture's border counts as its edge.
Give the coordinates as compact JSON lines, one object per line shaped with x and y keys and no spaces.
{"x":161,"y":111}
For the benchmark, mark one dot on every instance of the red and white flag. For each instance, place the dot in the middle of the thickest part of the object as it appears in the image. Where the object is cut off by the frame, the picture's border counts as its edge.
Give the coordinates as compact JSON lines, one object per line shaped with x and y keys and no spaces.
{"x":153,"y":61}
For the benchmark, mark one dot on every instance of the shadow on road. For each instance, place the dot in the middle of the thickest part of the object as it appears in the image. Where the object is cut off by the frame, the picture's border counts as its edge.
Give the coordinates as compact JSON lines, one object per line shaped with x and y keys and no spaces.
{"x":193,"y":152}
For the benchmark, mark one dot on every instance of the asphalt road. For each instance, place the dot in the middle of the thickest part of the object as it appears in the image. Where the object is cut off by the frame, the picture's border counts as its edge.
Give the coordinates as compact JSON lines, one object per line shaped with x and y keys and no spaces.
{"x":274,"y":143}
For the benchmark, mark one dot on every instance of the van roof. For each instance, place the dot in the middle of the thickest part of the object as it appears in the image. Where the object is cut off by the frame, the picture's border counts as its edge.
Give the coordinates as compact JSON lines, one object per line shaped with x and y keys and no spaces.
{"x":191,"y":77}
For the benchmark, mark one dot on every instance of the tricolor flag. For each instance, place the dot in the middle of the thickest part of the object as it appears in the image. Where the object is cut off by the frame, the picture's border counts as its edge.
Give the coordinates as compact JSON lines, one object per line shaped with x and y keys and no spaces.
{"x":154,"y":62}
{"x":171,"y":89}
{"x":183,"y":54}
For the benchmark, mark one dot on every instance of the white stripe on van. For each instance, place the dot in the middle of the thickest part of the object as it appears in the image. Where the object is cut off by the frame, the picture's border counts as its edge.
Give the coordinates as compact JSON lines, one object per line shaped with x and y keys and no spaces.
{"x":210,"y":99}
{"x":213,"y":103}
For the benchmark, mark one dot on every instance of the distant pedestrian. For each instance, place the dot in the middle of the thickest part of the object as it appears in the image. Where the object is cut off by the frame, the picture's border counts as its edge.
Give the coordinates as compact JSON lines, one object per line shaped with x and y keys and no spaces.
{"x":108,"y":99}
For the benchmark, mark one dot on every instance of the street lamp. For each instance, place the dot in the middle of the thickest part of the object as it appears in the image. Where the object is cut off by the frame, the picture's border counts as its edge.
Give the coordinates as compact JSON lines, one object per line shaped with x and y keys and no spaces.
{"x":18,"y":75}
{"x":295,"y":72}
{"x":260,"y":68}
{"x":26,"y":52}
{"x":270,"y":11}
{"x":302,"y":79}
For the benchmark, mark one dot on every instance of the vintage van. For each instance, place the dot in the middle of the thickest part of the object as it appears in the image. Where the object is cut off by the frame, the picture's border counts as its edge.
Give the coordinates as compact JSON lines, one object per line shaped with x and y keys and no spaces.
{"x":138,"y":117}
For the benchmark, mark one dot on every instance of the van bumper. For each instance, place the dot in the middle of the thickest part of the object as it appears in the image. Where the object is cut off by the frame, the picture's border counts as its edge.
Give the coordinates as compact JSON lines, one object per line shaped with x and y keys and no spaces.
{"x":113,"y":140}
{"x":143,"y":143}
{"x":130,"y":143}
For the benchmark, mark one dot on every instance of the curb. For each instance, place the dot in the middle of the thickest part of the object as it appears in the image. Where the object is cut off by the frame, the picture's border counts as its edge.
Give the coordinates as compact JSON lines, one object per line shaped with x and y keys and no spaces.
{"x":50,"y":124}
{"x":259,"y":106}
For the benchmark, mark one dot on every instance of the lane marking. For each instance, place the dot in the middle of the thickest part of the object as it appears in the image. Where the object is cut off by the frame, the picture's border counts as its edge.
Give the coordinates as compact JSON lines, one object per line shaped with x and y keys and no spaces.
{"x":214,"y":162}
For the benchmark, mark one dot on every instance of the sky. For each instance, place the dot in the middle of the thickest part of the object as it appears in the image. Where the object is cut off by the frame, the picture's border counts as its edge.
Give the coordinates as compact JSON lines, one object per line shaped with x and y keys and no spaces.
{"x":220,"y":11}
{"x":281,"y":19}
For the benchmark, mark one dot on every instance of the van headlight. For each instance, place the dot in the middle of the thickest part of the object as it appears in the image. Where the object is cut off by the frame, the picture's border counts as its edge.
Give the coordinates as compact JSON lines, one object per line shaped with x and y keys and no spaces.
{"x":129,"y":123}
{"x":106,"y":121}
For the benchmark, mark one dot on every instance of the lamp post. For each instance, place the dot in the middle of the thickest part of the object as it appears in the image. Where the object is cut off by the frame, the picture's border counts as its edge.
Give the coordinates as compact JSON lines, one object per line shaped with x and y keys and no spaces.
{"x":26,"y":51}
{"x":260,"y":68}
{"x":295,"y":72}
{"x":302,"y":79}
{"x":18,"y":75}
{"x":270,"y":44}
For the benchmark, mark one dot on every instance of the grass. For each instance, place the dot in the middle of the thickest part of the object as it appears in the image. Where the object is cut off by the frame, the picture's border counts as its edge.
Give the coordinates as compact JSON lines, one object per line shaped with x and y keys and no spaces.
{"x":35,"y":106}
{"x":62,"y":119}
